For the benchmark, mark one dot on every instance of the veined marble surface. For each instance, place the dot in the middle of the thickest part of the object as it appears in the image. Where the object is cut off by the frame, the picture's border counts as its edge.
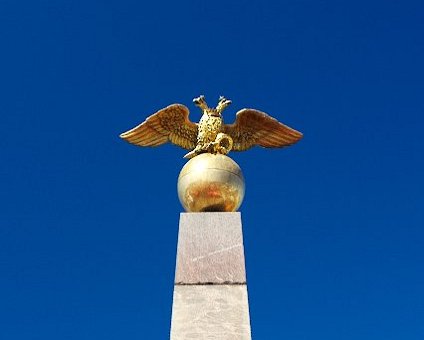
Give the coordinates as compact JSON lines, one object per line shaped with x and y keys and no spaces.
{"x":212,"y":312}
{"x":210,"y":249}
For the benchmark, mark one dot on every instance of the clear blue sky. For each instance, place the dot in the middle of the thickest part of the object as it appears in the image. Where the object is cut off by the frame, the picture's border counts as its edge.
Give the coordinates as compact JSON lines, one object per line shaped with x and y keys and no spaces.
{"x":333,"y":226}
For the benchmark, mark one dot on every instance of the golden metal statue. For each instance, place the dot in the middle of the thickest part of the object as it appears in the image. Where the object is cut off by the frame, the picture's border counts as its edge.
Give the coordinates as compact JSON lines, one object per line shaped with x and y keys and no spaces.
{"x":211,"y":135}
{"x":211,"y":181}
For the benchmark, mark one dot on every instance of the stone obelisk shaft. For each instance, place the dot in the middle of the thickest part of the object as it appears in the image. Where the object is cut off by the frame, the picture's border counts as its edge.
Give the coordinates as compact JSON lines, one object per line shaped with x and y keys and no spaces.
{"x":210,"y":293}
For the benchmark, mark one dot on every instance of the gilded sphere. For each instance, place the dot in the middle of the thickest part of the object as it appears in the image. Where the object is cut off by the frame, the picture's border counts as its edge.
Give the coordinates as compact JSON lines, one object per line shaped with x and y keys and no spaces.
{"x":211,"y":182}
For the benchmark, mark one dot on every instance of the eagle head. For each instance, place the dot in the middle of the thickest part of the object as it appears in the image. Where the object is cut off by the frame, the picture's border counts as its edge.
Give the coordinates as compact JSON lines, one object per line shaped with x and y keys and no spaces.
{"x":215,"y":112}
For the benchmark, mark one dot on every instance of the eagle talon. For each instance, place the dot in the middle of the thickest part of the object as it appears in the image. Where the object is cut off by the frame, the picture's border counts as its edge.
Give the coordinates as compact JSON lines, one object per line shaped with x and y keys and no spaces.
{"x":189,"y":155}
{"x":196,"y":151}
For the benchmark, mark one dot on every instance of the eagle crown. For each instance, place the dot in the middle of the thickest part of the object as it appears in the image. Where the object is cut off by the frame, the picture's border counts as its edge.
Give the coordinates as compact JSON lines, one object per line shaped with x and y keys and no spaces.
{"x":222,"y":104}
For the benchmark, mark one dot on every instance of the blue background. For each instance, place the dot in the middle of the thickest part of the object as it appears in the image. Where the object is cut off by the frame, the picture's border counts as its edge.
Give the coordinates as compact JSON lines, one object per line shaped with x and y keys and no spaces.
{"x":333,"y":226}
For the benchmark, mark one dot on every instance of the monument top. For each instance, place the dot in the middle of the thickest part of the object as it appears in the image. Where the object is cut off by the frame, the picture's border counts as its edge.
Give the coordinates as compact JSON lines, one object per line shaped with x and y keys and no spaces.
{"x":211,"y":181}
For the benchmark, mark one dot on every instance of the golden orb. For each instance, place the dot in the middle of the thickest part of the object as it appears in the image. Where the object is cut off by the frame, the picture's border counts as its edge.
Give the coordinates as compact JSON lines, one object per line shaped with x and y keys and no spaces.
{"x":211,"y":182}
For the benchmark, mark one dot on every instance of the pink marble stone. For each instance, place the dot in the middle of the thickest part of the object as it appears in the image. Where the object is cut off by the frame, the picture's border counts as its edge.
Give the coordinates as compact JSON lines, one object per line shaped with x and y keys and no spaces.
{"x":210,"y":249}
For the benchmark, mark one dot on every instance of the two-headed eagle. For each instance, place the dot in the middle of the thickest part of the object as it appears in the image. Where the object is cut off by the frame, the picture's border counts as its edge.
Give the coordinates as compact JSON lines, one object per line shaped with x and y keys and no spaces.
{"x":171,"y":124}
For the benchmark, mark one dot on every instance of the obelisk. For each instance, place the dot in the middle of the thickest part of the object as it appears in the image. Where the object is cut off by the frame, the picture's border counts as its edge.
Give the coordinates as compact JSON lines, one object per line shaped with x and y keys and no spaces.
{"x":210,"y":293}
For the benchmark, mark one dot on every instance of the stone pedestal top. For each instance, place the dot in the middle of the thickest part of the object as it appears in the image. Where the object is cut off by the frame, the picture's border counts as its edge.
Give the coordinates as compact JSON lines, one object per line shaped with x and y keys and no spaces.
{"x":210,"y":249}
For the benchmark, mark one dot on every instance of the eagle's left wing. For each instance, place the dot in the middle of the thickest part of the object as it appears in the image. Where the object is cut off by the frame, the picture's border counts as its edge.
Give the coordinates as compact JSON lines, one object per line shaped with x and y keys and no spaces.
{"x":253,"y":127}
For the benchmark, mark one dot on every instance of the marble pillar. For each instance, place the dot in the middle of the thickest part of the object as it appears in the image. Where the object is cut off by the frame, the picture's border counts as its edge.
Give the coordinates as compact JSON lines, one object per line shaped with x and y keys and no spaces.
{"x":210,"y":293}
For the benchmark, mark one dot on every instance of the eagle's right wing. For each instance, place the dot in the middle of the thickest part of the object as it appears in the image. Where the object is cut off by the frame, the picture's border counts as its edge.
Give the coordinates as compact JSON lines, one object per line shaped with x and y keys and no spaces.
{"x":169,"y":124}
